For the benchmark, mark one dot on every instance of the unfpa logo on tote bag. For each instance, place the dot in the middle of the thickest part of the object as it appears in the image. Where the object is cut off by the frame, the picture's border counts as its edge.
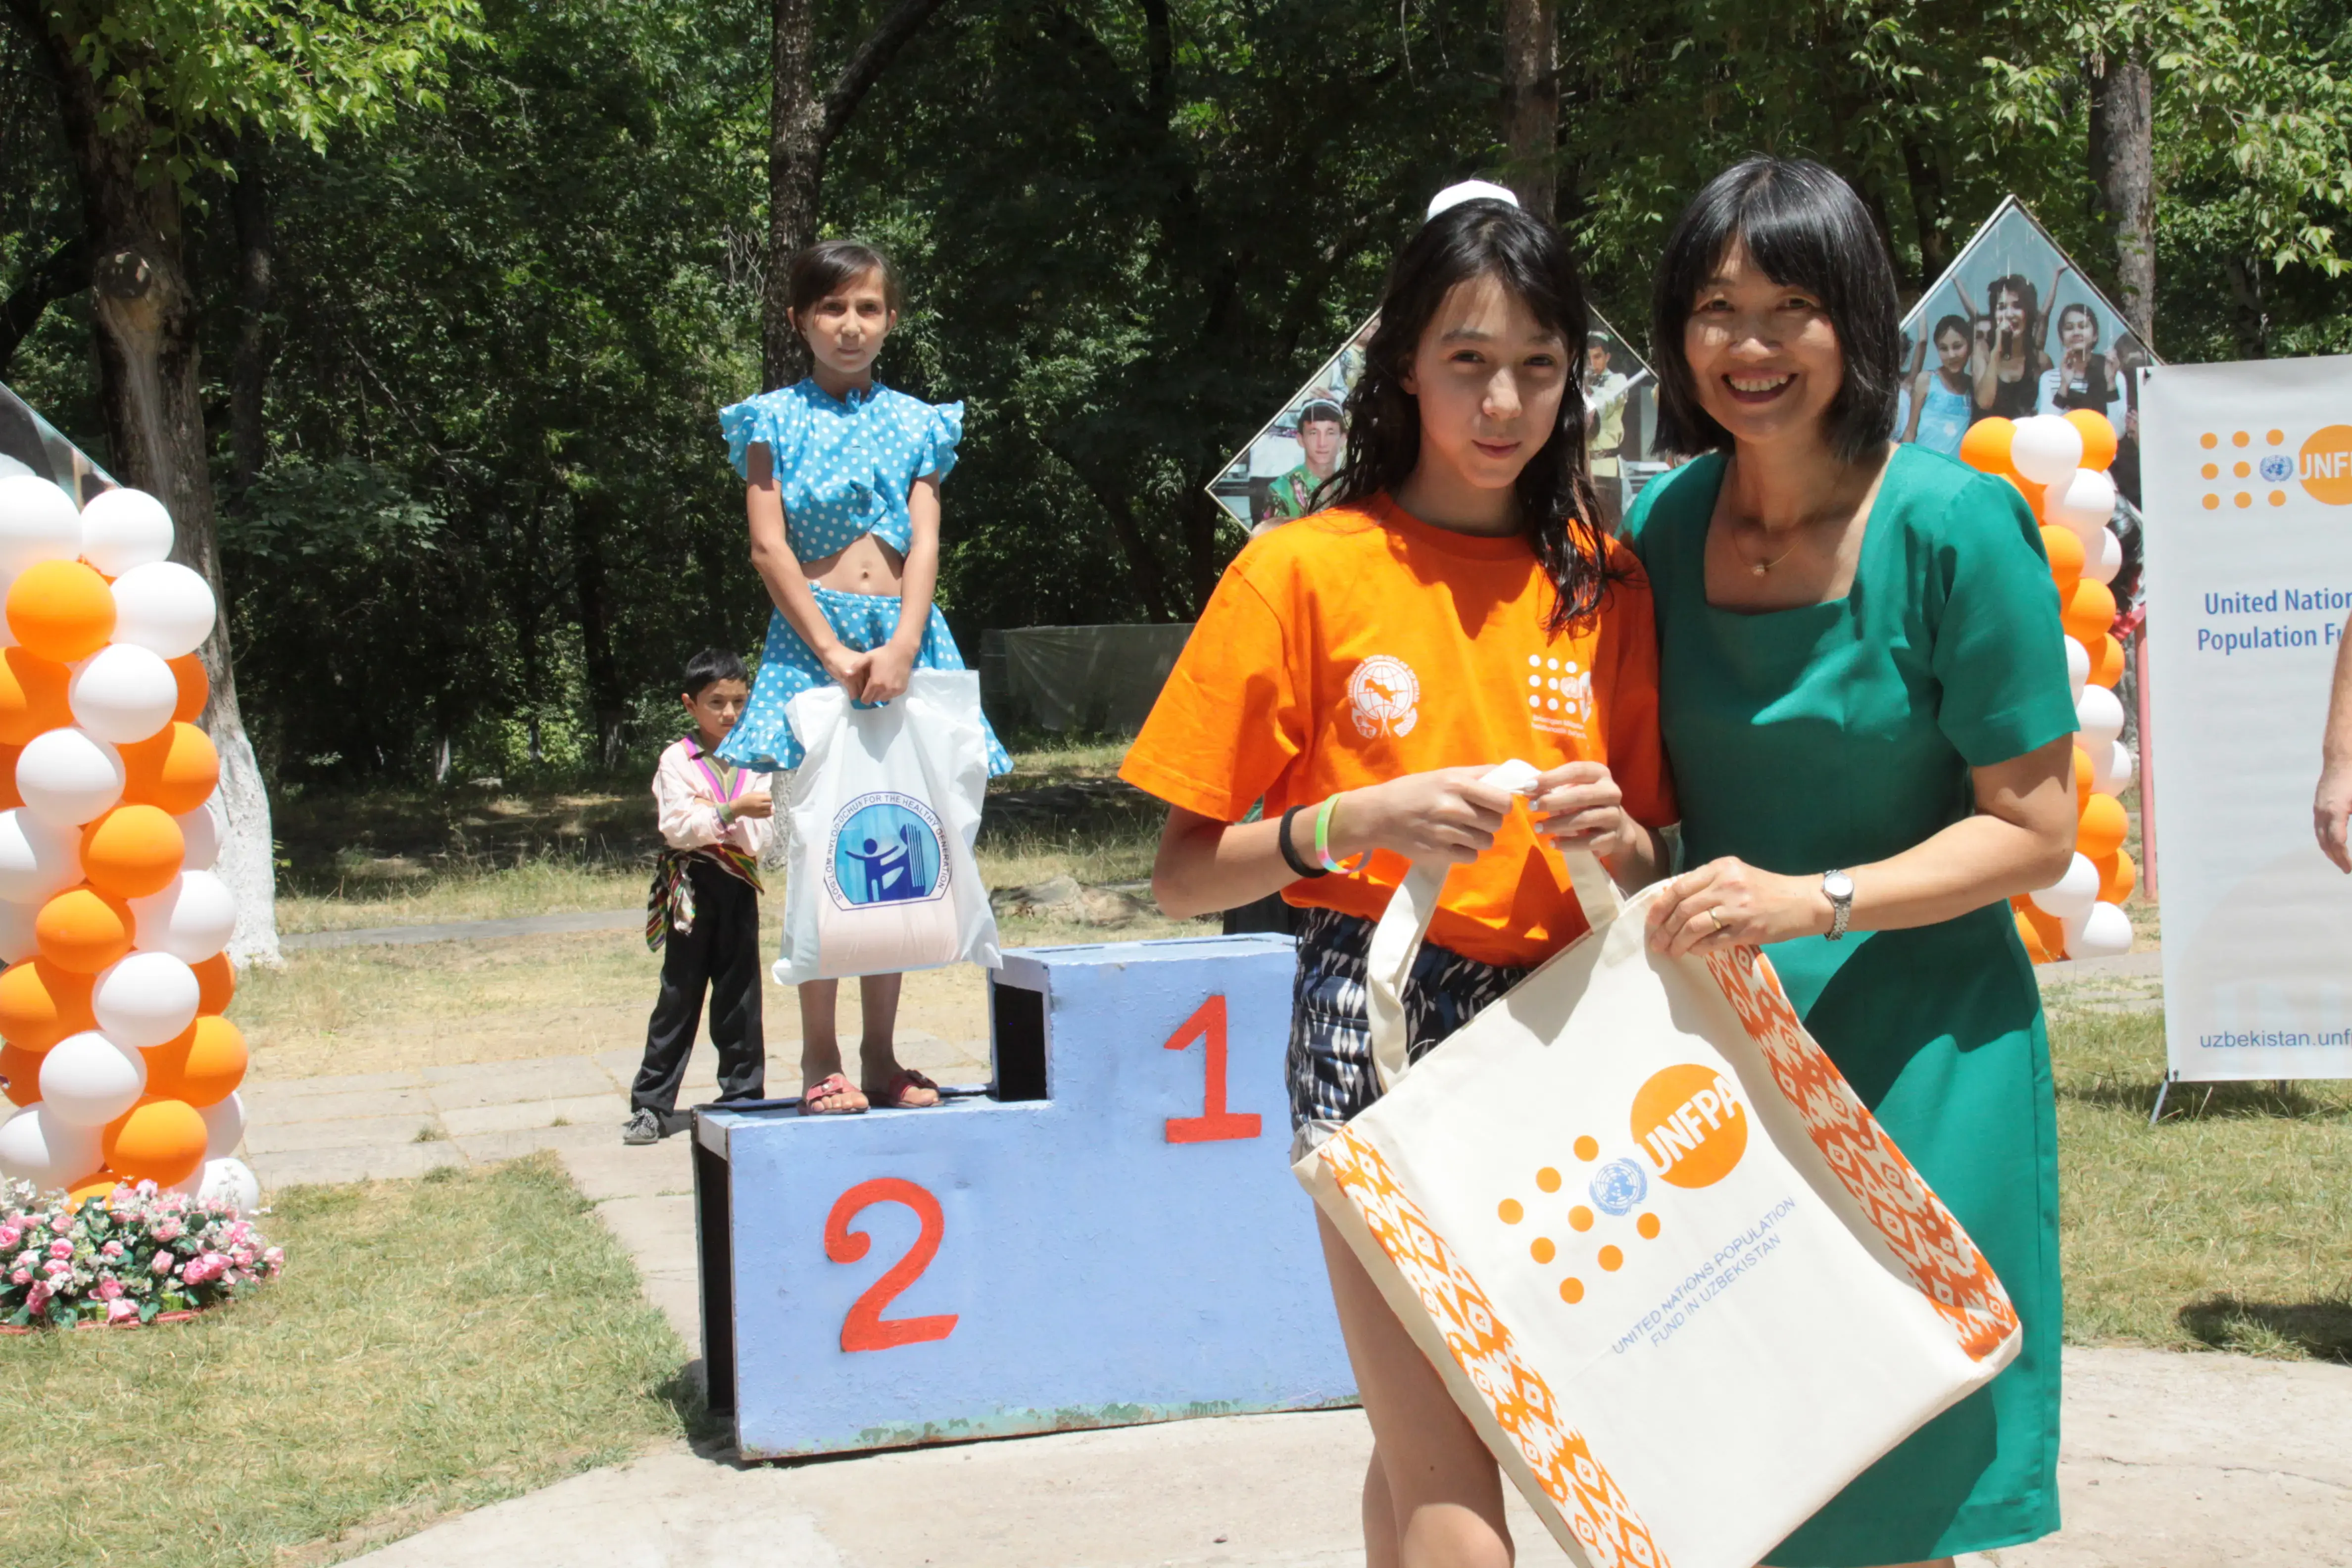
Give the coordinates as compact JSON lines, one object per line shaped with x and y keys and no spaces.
{"x":885,"y":851}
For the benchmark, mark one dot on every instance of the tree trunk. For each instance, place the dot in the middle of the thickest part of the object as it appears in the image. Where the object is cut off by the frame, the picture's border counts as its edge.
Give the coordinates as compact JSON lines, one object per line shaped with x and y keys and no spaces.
{"x":591,"y":519}
{"x":795,"y":171}
{"x":250,"y":369}
{"x":150,"y":394}
{"x":1531,"y":103}
{"x":2123,"y":167}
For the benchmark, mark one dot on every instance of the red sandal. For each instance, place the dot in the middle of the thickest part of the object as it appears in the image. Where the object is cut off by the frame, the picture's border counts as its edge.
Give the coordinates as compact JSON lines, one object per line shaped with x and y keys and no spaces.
{"x":892,"y":1096}
{"x":826,"y":1088}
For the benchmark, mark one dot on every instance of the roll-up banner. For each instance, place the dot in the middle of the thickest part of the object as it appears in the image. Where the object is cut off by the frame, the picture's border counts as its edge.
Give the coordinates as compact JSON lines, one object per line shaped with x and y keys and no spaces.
{"x":2249,"y":512}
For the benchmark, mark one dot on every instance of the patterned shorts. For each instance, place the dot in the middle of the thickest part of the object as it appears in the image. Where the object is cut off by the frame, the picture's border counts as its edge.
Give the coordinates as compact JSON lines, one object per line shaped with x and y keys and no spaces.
{"x":1330,"y":1061}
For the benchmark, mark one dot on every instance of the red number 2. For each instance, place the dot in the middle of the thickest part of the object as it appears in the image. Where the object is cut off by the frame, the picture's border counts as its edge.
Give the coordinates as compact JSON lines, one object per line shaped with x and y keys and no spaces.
{"x":865,"y":1328}
{"x":1215,"y":1123}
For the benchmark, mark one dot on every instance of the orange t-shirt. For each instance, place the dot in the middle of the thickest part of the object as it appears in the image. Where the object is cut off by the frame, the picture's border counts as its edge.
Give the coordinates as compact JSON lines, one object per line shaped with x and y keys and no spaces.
{"x":1355,"y":647}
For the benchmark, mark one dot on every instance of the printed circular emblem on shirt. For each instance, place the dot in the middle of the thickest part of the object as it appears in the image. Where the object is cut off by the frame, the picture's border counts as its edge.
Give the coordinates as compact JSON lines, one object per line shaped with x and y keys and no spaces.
{"x":885,"y":851}
{"x":1617,"y":1186}
{"x":1383,"y":694}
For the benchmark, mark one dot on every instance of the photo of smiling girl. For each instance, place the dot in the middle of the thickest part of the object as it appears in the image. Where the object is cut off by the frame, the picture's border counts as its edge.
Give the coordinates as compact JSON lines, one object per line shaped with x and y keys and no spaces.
{"x":1941,"y":408}
{"x":2082,"y":377}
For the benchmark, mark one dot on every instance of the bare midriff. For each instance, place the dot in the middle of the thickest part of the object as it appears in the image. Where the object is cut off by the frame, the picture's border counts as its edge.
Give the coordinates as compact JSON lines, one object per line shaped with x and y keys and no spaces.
{"x":865,"y":566}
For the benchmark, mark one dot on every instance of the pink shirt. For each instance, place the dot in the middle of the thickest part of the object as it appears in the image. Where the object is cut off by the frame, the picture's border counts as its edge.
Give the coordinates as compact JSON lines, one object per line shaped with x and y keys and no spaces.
{"x":688,"y":792}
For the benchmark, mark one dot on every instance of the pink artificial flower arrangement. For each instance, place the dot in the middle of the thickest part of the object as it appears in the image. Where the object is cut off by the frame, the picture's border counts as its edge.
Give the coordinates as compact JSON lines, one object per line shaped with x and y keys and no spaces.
{"x":122,"y":1258}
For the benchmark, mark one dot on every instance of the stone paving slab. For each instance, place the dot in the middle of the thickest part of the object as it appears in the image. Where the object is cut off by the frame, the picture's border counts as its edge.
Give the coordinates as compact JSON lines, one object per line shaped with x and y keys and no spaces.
{"x":269,"y":1102}
{"x":375,"y":1163}
{"x":504,"y":1083}
{"x":266,"y":1137}
{"x":517,"y":1116}
{"x":290,"y":1090}
{"x":611,"y":1168}
{"x":489,"y":1147}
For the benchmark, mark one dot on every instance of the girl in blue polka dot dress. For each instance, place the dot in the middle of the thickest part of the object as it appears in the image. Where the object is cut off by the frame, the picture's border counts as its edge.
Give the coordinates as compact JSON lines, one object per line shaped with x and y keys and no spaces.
{"x":842,"y":477}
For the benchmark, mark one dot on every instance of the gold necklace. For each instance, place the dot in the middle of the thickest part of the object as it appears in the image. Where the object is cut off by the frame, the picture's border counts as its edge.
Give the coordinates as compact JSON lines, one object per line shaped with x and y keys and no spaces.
{"x":1758,"y":568}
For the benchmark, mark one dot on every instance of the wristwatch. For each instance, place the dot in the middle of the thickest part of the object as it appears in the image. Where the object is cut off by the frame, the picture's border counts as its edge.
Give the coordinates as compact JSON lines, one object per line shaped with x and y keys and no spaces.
{"x":1837,"y":888}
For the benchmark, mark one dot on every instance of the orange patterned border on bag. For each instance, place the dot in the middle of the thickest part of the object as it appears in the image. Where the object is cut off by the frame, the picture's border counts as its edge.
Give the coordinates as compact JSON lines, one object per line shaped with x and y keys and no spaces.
{"x":1945,"y":1264}
{"x":1514,"y":1392}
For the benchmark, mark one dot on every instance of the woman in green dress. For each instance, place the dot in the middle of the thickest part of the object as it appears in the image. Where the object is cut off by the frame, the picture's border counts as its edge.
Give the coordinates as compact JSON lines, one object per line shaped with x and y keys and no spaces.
{"x":1864,"y":700}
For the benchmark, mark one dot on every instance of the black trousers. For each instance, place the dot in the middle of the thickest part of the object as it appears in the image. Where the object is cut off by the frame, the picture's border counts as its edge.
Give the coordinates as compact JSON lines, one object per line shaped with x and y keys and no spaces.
{"x":722,"y":952}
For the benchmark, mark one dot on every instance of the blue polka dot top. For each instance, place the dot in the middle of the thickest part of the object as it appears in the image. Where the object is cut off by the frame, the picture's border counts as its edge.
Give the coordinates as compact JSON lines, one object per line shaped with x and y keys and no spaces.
{"x":844,"y":466}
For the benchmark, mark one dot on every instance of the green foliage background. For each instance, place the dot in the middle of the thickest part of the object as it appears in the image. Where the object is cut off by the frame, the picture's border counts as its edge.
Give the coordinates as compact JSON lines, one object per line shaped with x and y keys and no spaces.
{"x":511,"y":298}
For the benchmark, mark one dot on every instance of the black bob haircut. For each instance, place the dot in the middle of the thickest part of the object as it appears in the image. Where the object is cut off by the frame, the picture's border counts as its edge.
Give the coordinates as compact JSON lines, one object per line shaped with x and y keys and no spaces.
{"x":1805,"y":229}
{"x":1483,"y":238}
{"x":708,"y":667}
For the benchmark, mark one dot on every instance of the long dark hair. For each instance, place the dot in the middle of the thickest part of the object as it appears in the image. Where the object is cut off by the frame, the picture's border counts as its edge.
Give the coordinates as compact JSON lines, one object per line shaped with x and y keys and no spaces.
{"x":1481,"y":240}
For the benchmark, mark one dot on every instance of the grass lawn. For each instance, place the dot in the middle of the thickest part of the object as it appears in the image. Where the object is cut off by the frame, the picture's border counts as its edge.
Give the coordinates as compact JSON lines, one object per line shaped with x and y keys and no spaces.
{"x":2227,"y":1226}
{"x":433,"y":1345}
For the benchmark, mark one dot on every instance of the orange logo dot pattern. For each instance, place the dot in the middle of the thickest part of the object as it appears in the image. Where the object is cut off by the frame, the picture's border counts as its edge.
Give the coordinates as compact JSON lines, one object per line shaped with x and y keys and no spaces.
{"x":1580,"y":1218}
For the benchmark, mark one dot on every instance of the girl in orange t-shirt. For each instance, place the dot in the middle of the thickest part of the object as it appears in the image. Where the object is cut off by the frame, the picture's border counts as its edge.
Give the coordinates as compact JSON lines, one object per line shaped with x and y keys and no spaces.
{"x":1361,"y":669}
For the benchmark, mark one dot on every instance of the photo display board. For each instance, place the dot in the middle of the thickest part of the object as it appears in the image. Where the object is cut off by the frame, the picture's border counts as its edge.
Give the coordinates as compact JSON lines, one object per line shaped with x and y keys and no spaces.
{"x":1272,"y":480}
{"x":2249,"y":521}
{"x":31,"y":444}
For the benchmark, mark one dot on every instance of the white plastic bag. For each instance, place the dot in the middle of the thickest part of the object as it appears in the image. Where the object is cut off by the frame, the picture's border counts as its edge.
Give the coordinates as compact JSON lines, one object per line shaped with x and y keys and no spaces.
{"x":882,"y":815}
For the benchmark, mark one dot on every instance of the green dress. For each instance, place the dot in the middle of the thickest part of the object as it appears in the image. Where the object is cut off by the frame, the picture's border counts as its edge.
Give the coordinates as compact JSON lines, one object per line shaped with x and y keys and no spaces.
{"x":1833,"y":735}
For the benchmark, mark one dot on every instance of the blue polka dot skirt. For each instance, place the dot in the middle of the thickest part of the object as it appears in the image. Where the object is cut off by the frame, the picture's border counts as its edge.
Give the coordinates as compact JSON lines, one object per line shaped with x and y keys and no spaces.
{"x":762,"y":740}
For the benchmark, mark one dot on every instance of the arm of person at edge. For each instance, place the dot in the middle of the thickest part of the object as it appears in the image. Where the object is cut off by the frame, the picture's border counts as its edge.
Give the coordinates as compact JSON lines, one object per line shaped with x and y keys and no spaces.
{"x":1205,"y":864}
{"x":2022,"y":837}
{"x":2332,"y":803}
{"x":889,"y":668}
{"x":788,"y":585}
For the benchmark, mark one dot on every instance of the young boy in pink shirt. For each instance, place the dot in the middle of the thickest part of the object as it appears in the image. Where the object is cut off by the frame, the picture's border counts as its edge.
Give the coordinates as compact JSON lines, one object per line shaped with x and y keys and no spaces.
{"x":704,"y":905}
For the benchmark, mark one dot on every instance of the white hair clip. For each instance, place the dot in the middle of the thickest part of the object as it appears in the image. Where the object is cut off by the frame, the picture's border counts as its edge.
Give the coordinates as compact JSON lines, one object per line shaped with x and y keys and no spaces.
{"x":1467,"y":191}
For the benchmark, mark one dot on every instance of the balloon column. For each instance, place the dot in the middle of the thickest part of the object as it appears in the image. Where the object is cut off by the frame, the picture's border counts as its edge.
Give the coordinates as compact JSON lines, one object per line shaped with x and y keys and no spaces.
{"x":111,"y":921}
{"x":2059,"y":465}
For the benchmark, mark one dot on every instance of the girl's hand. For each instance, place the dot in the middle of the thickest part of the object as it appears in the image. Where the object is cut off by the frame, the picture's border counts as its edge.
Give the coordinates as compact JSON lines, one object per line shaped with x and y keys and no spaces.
{"x":888,"y":668}
{"x":1729,"y":903}
{"x":1445,"y":815}
{"x":1578,"y":806}
{"x":848,"y":667}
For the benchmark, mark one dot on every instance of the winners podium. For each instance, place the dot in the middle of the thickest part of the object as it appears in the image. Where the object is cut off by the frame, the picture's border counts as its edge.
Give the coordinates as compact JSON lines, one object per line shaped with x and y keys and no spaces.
{"x":1107,"y":1234}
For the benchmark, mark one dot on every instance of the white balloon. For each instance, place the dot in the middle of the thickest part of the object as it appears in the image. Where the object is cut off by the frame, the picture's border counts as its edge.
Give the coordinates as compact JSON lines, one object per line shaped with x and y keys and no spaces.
{"x":2084,"y":504}
{"x":2122,"y":767}
{"x":2099,"y":718}
{"x":2078,"y":666}
{"x":38,"y":858}
{"x":2070,"y":894}
{"x":69,"y":776}
{"x":2045,"y":448}
{"x":37,"y":1147}
{"x":231,"y":1182}
{"x":37,"y":522}
{"x":162,"y":606}
{"x":192,"y":919}
{"x":88,"y":1080}
{"x":2102,"y":930}
{"x":123,"y":693}
{"x":17,"y":941}
{"x":124,"y":528}
{"x":2103,"y":557}
{"x":224,"y":1125}
{"x":200,"y":829}
{"x":144,"y":999}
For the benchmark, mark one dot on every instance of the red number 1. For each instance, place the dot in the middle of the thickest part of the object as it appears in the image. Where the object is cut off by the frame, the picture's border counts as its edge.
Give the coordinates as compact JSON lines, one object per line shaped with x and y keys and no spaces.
{"x":865,"y":1328}
{"x":1215,"y":1123}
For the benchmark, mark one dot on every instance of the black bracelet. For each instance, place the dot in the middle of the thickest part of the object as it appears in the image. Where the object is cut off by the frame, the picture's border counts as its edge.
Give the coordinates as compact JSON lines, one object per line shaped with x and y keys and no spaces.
{"x":1282,"y":837}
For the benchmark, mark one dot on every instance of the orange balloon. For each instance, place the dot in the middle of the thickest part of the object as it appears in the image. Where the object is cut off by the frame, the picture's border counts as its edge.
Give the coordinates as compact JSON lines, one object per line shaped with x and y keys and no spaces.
{"x":157,"y":1140}
{"x":2034,"y":952}
{"x":82,"y":930}
{"x":2106,"y":660}
{"x":2030,"y":490}
{"x":22,"y":1069}
{"x":2084,"y":774}
{"x":2101,"y":831}
{"x":99,"y":1184}
{"x":2118,"y":876}
{"x":41,"y":1003}
{"x":196,"y":687}
{"x":176,"y":769}
{"x":132,"y":851}
{"x":215,"y":984}
{"x":1985,"y":445}
{"x":2089,"y":612}
{"x":32,"y":698}
{"x":2064,"y":548}
{"x":202,"y":1064}
{"x":2049,"y":932}
{"x":2098,"y":437}
{"x":61,"y":610}
{"x":11,"y":797}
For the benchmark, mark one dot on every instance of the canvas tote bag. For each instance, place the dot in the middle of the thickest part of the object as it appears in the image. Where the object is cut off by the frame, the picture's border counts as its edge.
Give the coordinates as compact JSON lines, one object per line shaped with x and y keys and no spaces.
{"x":1667,"y":1262}
{"x":882,"y":813}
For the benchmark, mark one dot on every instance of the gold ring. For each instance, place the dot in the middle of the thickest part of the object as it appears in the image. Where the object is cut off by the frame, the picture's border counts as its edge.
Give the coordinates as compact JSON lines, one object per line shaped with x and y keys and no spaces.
{"x":1715,"y":922}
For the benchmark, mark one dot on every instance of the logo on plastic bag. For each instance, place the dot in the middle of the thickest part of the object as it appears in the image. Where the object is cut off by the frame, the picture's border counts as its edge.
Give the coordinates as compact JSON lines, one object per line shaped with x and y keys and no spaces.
{"x":885,"y":850}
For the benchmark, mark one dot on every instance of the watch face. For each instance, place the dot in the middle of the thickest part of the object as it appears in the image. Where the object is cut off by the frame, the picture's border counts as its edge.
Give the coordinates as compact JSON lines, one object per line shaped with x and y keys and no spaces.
{"x":1838,"y":885}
